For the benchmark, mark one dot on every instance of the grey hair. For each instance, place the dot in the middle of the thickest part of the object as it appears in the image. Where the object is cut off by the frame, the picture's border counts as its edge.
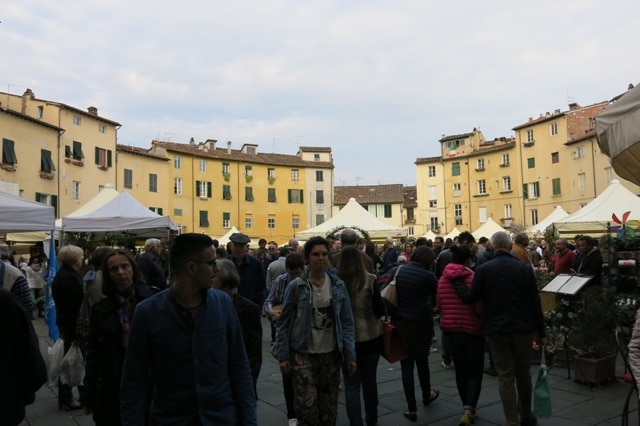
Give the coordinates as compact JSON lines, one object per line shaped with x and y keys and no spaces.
{"x":227,"y":274}
{"x":501,"y":241}
{"x":151,"y":242}
{"x":70,"y":255}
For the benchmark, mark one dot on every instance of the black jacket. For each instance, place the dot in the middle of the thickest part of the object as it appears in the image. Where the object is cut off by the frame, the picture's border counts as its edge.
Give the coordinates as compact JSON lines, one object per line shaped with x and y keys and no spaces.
{"x":68,"y":291}
{"x":250,"y":322}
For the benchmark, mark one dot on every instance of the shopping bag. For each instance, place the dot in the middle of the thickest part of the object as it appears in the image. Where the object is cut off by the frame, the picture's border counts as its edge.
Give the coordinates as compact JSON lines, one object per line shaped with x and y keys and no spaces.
{"x":72,"y":367}
{"x":389,"y":295}
{"x":541,"y":395}
{"x":56,"y":353}
{"x":393,"y":347}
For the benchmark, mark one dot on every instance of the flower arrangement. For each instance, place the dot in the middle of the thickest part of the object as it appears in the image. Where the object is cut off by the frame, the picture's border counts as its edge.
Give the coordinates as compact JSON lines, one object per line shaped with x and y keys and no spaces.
{"x":360,"y":231}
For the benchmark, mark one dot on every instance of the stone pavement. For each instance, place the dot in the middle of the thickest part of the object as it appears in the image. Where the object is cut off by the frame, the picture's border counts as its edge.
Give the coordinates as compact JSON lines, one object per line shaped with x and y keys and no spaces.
{"x":573,"y":404}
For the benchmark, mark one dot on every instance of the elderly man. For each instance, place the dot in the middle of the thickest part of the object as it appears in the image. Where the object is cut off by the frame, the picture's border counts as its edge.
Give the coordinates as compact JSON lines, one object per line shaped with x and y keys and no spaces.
{"x":349,"y":237}
{"x":252,"y":277}
{"x":189,"y":340}
{"x":564,"y":258}
{"x":512,"y":315}
{"x":149,"y":264}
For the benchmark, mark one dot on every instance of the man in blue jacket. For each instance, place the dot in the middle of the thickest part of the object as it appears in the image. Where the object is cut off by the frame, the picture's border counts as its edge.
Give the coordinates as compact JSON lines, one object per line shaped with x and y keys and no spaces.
{"x":188,"y":341}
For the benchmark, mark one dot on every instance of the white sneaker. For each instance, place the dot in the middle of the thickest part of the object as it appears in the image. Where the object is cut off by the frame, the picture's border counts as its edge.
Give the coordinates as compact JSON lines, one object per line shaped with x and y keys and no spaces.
{"x":293,"y":422}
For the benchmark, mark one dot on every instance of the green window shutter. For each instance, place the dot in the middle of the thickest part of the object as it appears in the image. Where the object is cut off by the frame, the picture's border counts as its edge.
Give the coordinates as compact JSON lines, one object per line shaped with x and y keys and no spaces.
{"x":108,"y":158}
{"x":387,"y":210}
{"x":289,"y":195}
{"x":97,"y":154}
{"x":455,"y":169}
{"x":197,"y":188}
{"x":204,"y":218}
{"x":8,"y":152}
{"x":67,"y":152}
{"x":159,"y":211}
{"x":77,"y":151}
{"x":54,"y":203}
{"x":271,"y":195}
{"x":525,"y":190}
{"x":208,"y":189}
{"x":301,"y":196}
{"x":531,"y":162}
{"x":320,"y":196}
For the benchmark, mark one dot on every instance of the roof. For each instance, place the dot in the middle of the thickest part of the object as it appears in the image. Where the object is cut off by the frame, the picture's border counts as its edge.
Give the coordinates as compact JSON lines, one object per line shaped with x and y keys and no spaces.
{"x":144,"y":152}
{"x":369,"y":194}
{"x":31,"y":119}
{"x":424,"y":160}
{"x":410,"y":196}
{"x":237,"y":155}
{"x":315,"y":148}
{"x":454,"y":137}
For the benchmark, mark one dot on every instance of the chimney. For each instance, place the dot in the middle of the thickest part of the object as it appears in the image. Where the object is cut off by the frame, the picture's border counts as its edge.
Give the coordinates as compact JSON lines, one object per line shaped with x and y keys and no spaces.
{"x":228,"y":147}
{"x":27,"y":95}
{"x":630,"y":86}
{"x":92,"y":110}
{"x":192,"y":142}
{"x":210,"y":144}
{"x":556,"y":111}
{"x":573,"y":106}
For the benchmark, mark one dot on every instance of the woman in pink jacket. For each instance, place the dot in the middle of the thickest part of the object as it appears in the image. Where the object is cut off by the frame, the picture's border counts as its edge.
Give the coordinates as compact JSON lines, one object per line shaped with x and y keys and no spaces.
{"x":462,"y":325}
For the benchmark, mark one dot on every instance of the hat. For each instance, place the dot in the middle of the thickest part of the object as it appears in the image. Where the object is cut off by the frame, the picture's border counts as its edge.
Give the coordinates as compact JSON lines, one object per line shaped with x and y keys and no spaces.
{"x":239,"y":238}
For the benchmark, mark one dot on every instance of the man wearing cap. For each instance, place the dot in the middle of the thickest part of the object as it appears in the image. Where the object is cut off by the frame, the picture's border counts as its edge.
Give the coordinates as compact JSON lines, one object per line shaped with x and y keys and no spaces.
{"x":252,"y":281}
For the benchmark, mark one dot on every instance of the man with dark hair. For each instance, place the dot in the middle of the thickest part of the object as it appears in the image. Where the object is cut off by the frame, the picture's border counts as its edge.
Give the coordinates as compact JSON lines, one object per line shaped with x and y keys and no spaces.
{"x":349,"y":237}
{"x":520,"y":248}
{"x":252,"y":278}
{"x":589,"y":260}
{"x":512,"y":316}
{"x":189,"y":340}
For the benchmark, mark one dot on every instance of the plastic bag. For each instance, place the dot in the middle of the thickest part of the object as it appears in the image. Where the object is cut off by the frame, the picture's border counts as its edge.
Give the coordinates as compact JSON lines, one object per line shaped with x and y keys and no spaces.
{"x":541,"y":395}
{"x":56,"y":352}
{"x":72,"y":367}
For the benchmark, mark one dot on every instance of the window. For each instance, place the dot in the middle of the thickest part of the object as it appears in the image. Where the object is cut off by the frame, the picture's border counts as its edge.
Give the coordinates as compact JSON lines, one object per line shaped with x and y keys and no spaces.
{"x":582,"y":181}
{"x":102,"y":128}
{"x":295,"y":196}
{"x":455,"y":169}
{"x":387,"y":210}
{"x":482,"y":187}
{"x":248,"y":222}
{"x":46,"y":165}
{"x":226,"y":220}
{"x":505,"y":159}
{"x":319,"y":175}
{"x":531,"y":163}
{"x":271,"y":173}
{"x":431,"y":171}
{"x":77,"y":151}
{"x":295,"y":222}
{"x":203,"y":189}
{"x":319,"y":219}
{"x":579,"y":152}
{"x":177,"y":162}
{"x":480,"y":164}
{"x":202,"y":165}
{"x":410,"y":213}
{"x":271,"y":222}
{"x":103,"y":157}
{"x":457,"y":213}
{"x":248,"y":171}
{"x":530,"y":136}
{"x":177,"y":212}
{"x":295,"y":174}
{"x":534,"y":216}
{"x":457,"y":190}
{"x":508,"y":212}
{"x":40,"y":112}
{"x":226,"y":192}
{"x":204,"y":218}
{"x":8,"y":153}
{"x":156,"y":210}
{"x":76,"y":120}
{"x":248,"y":193}
{"x":506,"y":183}
{"x":554,"y":129}
{"x":531,"y":190}
{"x":410,"y":230}
{"x":608,"y":173}
{"x":128,"y":179}
{"x":177,"y":186}
{"x":555,"y":186}
{"x":433,"y":221}
{"x":75,"y":190}
{"x":49,"y":200}
{"x":320,"y":196}
{"x":271,"y":195}
{"x":482,"y":214}
{"x":153,"y":182}
{"x":316,"y":157}
{"x":433,"y":196}
{"x":555,"y":157}
{"x":225,"y":168}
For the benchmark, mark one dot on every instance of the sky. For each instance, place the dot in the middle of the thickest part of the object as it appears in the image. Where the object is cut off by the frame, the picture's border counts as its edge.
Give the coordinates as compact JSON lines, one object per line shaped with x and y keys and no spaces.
{"x":380,"y":82}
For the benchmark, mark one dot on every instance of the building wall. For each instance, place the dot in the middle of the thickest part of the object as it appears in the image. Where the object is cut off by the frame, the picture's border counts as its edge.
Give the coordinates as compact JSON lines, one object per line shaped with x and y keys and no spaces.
{"x":141,"y":166}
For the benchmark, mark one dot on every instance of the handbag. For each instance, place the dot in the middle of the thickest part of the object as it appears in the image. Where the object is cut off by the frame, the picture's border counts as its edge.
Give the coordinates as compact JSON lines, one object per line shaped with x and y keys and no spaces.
{"x":393,"y":347}
{"x":389,"y":294}
{"x":541,"y":395}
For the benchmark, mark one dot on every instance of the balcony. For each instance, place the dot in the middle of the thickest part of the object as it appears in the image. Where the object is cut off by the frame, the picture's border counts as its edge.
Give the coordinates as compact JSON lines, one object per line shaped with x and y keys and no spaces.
{"x":409,"y":220}
{"x":506,"y":223}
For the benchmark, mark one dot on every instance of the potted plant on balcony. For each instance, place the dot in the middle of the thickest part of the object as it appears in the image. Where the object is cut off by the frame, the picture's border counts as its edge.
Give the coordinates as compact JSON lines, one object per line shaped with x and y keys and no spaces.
{"x":593,"y":336}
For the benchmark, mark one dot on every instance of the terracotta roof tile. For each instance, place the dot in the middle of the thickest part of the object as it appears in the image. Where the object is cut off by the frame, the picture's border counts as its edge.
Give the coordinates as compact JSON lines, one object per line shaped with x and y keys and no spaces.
{"x":369,"y":194}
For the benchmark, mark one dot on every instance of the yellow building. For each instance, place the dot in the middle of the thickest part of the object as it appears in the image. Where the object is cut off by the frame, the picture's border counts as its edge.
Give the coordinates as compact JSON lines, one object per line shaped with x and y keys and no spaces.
{"x":268,"y":196}
{"x":83,"y":153}
{"x":473,"y":180}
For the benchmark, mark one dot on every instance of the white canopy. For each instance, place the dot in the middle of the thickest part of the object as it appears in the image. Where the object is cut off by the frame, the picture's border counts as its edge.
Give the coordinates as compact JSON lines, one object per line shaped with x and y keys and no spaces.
{"x":108,"y":213}
{"x":595,"y":217}
{"x":556,"y":215}
{"x":225,"y":238}
{"x":453,"y":233}
{"x":618,"y":132}
{"x":430,"y":235}
{"x":353,"y":214}
{"x":487,"y":229}
{"x":18,"y":214}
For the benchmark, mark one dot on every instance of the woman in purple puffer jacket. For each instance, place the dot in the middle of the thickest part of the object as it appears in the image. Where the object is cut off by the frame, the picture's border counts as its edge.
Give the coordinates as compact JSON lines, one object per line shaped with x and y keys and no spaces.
{"x":462,"y":325}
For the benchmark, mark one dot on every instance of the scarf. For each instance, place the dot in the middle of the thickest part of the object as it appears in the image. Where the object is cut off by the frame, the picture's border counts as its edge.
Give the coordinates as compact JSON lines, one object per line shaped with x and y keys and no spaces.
{"x":127,"y":305}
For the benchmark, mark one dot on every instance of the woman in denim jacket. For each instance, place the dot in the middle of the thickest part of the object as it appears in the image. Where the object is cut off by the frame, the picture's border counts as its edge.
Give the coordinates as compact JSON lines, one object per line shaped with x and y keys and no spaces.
{"x":315,"y":334}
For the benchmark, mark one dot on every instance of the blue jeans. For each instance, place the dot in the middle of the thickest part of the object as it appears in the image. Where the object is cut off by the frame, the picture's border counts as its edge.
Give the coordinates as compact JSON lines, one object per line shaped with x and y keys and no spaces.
{"x":366,"y":376}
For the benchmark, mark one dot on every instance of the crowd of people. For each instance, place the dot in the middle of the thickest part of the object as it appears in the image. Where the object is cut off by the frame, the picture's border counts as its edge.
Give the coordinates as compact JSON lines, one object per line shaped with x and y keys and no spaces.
{"x":180,"y":341}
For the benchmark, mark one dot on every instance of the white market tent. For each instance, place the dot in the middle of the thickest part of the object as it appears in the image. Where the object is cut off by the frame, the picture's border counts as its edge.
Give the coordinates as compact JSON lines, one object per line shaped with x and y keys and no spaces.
{"x":487,"y":229}
{"x":594,"y":218}
{"x":453,"y":233}
{"x":354,"y":215}
{"x":556,"y":215}
{"x":18,"y":214}
{"x":109,"y":213}
{"x":430,"y":235}
{"x":225,"y":238}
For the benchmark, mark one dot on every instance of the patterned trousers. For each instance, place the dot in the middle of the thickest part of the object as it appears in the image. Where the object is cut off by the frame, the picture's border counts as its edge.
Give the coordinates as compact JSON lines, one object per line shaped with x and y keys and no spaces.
{"x":316,"y":382}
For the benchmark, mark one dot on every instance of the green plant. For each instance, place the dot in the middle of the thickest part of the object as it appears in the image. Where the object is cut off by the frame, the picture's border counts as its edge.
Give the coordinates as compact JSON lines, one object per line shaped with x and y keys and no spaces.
{"x":594,"y":323}
{"x":271,"y":180}
{"x":226,"y":176}
{"x":624,"y":243}
{"x":248,"y":178}
{"x":334,"y":231}
{"x":559,"y":323}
